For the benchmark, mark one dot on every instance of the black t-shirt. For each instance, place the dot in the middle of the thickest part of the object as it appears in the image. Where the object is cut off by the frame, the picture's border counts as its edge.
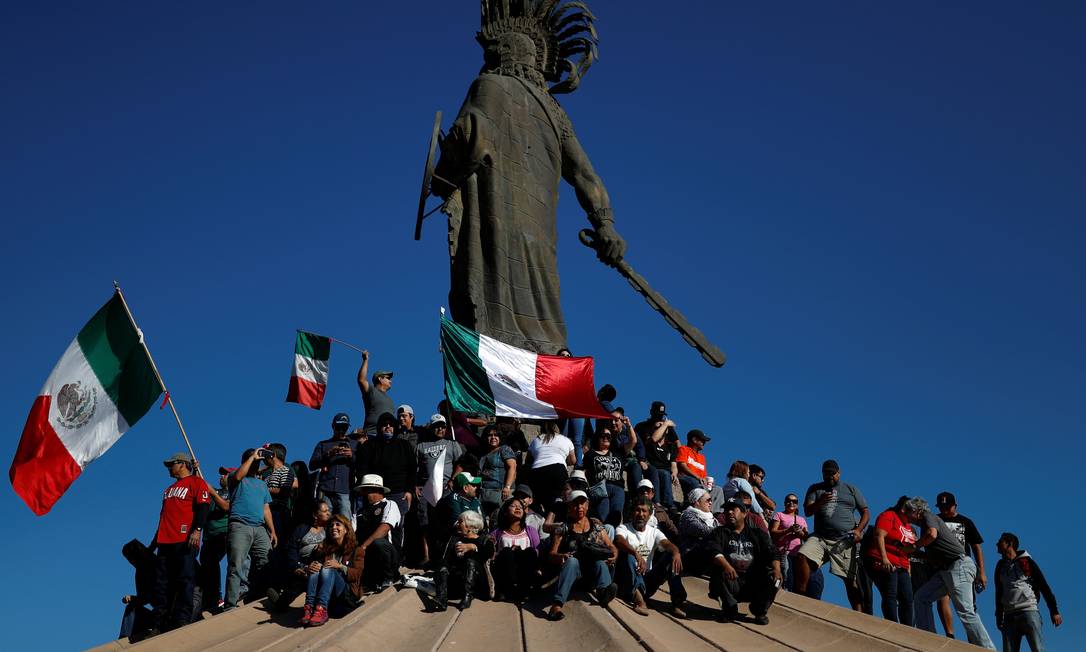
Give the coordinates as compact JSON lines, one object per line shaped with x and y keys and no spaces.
{"x":607,"y":467}
{"x":965,"y":530}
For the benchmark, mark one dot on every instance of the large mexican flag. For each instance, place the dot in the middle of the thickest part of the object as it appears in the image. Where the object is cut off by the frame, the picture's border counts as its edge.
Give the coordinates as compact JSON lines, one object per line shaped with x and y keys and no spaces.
{"x":485,"y":376}
{"x":100,"y":388}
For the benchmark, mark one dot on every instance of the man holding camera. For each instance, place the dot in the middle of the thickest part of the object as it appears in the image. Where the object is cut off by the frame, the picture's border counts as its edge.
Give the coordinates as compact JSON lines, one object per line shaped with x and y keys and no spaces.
{"x":335,"y":459}
{"x":251,"y":533}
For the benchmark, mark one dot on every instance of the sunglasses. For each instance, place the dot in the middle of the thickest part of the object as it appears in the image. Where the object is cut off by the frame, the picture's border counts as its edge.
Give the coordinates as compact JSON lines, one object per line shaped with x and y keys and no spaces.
{"x":794,"y":501}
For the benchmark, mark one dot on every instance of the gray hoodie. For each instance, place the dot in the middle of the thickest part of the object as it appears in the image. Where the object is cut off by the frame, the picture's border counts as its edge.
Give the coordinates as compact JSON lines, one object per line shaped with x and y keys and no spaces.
{"x":1019,"y":585}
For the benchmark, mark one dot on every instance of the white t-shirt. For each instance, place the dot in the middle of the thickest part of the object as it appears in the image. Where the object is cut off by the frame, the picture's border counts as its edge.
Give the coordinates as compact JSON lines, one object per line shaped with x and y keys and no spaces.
{"x":645,"y":542}
{"x":555,"y":452}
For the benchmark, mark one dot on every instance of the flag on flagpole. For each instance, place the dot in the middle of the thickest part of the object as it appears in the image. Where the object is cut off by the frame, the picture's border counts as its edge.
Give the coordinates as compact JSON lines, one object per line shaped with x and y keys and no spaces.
{"x":310,"y":376}
{"x":101,"y":387}
{"x":485,"y":376}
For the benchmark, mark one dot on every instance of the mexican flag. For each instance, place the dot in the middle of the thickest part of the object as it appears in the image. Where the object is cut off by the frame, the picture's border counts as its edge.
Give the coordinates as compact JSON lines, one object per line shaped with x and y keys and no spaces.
{"x":485,"y":376}
{"x":310,"y":376}
{"x":101,"y":387}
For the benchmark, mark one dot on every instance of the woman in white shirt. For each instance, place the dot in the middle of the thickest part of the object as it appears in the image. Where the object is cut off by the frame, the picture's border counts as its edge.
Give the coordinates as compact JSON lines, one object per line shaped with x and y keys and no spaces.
{"x":548,"y":456}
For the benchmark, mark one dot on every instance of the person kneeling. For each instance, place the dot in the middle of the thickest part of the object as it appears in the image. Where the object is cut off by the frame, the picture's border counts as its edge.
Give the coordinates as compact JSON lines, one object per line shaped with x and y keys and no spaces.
{"x":339,"y":582}
{"x":463,"y":571}
{"x":745,"y":566}
{"x":646,"y":560}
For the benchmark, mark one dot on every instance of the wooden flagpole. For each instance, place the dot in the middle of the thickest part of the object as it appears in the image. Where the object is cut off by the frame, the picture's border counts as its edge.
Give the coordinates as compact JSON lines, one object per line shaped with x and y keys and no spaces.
{"x":158,"y":376}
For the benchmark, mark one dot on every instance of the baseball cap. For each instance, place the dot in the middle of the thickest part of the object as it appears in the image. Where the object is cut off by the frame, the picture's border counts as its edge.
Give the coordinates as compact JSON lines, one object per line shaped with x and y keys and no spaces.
{"x":733,"y":503}
{"x":341,"y":419}
{"x":437,"y":418}
{"x":645,"y":484}
{"x":385,"y":418}
{"x":381,"y":372}
{"x":227,"y":470}
{"x":178,"y":457}
{"x":698,"y":434}
{"x":658,"y":408}
{"x":578,"y":474}
{"x":405,"y":408}
{"x":524,"y":490}
{"x":576,"y":495}
{"x":830,"y":465}
{"x":945,"y":499}
{"x":464,"y":478}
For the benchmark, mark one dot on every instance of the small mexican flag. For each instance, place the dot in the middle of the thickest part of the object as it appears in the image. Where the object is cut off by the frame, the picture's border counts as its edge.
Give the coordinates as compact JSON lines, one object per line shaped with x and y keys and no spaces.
{"x":310,"y":376}
{"x":485,"y":376}
{"x":100,"y":388}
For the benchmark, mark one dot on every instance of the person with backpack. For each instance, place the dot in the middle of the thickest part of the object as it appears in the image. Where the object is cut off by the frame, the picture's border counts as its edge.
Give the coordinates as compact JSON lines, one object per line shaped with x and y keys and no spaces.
{"x":1019,"y":584}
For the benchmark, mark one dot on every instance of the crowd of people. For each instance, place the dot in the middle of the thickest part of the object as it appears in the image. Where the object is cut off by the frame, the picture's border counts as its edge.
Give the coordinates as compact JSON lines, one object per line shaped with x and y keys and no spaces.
{"x":500,"y":509}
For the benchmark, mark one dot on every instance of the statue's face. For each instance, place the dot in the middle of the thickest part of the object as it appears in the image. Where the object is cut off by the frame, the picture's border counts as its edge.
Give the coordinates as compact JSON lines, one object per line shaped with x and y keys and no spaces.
{"x":511,"y":48}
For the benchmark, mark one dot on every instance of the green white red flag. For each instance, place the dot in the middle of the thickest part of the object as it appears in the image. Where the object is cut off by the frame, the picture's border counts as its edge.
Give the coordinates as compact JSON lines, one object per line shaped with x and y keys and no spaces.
{"x":101,"y":387}
{"x":485,"y":376}
{"x":309,"y":379}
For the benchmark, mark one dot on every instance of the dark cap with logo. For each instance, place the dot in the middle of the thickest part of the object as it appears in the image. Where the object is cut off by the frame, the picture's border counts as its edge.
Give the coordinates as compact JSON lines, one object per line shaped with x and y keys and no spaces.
{"x":945,"y":499}
{"x":341,"y":419}
{"x":658,"y":409}
{"x":697,"y":434}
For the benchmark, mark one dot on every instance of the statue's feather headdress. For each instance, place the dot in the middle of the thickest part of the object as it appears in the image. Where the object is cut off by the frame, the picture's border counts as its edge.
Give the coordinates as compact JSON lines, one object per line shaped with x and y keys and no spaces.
{"x":564,"y":36}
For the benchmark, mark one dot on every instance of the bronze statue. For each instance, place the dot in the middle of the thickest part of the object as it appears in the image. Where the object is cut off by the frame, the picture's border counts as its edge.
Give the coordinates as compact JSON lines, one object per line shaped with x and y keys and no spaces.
{"x":500,"y":167}
{"x":499,"y":173}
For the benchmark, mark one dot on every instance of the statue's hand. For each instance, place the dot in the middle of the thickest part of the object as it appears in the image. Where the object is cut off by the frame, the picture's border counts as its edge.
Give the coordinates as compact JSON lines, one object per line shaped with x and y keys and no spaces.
{"x":610,"y":247}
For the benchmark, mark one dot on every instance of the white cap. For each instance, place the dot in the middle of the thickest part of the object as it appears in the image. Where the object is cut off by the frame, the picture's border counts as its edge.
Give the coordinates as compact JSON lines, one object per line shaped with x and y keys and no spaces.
{"x":575,"y":495}
{"x":437,"y":418}
{"x":579,"y":474}
{"x":405,"y":408}
{"x":646,"y":484}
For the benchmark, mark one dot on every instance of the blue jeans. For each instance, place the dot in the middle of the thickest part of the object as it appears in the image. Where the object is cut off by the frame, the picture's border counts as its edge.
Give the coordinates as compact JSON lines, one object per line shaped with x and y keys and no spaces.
{"x":609,"y":509}
{"x":633,"y":474}
{"x":340,"y":502}
{"x":573,"y":570}
{"x":896,"y":589}
{"x":661,"y":479}
{"x":629,"y":580}
{"x":574,"y":429}
{"x":957,"y":581}
{"x":323,"y":586}
{"x":245,"y":542}
{"x":1023,"y":623}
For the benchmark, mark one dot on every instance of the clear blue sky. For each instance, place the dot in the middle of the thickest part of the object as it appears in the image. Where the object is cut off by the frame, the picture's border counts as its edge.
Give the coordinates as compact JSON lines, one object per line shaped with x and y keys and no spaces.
{"x":878,"y":212}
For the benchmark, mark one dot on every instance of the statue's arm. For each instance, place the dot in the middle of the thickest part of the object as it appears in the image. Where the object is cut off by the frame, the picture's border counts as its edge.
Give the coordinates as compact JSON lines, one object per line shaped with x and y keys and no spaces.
{"x":578,"y":172}
{"x":467,"y":145}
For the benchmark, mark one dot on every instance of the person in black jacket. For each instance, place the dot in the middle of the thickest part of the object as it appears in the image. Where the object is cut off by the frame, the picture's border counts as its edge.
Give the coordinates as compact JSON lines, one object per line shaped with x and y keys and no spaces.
{"x":393,"y":459}
{"x":137,"y":613}
{"x":745,"y":566}
{"x":1019,"y":584}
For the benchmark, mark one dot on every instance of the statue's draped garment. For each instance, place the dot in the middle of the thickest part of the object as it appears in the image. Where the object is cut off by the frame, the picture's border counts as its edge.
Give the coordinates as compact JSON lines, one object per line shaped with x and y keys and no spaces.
{"x":507,"y":140}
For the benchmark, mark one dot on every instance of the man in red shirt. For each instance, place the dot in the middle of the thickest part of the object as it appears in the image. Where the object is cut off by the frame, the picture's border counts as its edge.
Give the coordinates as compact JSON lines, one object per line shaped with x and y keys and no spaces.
{"x":185,"y":506}
{"x":691,"y":461}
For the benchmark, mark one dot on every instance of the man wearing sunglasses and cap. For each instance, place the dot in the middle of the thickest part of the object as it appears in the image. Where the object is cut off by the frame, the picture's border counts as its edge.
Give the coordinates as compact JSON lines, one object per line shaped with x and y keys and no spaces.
{"x":335,"y":459}
{"x":185,"y":506}
{"x":375,"y":394}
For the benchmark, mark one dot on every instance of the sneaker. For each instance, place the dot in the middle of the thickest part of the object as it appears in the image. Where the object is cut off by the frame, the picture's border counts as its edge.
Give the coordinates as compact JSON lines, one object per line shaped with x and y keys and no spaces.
{"x":222,"y":603}
{"x":489,"y":580}
{"x":307,"y":614}
{"x":606,"y":594}
{"x":761,"y":620}
{"x":320,"y":616}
